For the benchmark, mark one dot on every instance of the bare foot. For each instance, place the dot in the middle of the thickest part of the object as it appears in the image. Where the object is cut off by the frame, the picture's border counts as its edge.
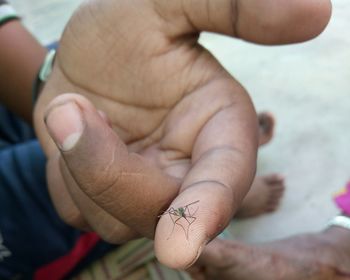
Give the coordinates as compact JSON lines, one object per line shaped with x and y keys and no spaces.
{"x":266,"y":127}
{"x":304,"y":257}
{"x":264,"y":196}
{"x":266,"y":191}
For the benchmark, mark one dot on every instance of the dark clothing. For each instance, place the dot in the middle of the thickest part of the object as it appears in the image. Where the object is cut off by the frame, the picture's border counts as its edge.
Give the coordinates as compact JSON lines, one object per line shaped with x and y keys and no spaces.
{"x":30,"y":228}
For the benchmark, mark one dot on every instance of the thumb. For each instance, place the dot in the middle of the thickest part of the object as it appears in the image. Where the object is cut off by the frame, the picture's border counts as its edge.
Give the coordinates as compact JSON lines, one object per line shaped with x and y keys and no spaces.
{"x":123,"y":184}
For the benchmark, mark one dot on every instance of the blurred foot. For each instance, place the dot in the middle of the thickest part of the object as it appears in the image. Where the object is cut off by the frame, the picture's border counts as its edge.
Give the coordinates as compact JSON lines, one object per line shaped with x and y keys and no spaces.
{"x":264,"y":196}
{"x":266,"y":127}
{"x":305,"y":257}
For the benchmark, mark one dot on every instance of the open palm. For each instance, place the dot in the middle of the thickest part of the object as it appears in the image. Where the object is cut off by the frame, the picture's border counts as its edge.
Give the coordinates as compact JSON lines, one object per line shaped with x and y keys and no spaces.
{"x":160,"y":121}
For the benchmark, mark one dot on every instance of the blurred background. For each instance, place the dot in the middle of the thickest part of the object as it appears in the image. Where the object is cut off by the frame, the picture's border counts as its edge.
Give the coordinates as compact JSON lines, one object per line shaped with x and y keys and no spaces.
{"x":306,"y":87}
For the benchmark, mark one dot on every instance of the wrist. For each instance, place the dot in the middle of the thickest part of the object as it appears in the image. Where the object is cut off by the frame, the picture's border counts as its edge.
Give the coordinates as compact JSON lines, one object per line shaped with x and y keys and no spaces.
{"x":338,"y":232}
{"x":7,"y":13}
{"x":20,"y":58}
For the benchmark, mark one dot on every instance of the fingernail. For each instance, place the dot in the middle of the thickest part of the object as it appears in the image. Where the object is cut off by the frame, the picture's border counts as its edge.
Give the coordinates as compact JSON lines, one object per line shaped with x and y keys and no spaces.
{"x":65,"y":125}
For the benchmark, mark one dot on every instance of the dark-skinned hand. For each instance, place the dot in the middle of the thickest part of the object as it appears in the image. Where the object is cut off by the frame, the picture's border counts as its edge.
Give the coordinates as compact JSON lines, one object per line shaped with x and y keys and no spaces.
{"x":152,"y":120}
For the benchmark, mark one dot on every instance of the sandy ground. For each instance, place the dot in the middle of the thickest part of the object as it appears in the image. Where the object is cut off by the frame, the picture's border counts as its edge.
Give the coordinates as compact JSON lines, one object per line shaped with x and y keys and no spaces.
{"x":306,"y":86}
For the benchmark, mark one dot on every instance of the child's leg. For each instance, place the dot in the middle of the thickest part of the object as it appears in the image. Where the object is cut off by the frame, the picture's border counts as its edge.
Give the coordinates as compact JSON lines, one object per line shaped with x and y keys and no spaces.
{"x":266,"y":191}
{"x":263,"y":197}
{"x":318,"y":256}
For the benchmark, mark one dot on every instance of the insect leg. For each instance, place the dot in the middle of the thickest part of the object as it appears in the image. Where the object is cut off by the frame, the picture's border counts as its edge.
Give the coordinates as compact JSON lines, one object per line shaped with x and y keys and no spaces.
{"x":188,"y":208}
{"x":192,"y":203}
{"x":185,"y":231}
{"x":171,"y":210}
{"x":172,"y":213}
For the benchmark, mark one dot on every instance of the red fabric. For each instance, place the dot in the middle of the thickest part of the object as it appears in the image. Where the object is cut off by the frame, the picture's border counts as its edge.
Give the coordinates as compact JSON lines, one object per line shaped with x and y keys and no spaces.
{"x":59,"y":268}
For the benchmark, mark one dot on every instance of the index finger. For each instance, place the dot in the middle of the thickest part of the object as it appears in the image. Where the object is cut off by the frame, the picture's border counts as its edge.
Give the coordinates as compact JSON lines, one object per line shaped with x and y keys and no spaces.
{"x":223,"y":167}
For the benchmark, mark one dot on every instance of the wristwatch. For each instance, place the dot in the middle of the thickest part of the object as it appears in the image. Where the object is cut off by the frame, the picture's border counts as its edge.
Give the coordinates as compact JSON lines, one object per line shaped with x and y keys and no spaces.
{"x":7,"y":13}
{"x":43,"y":75}
{"x":340,"y":221}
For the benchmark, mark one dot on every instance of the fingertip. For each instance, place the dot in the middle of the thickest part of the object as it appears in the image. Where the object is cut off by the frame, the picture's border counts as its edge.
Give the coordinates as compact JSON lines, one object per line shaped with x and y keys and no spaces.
{"x":282,"y":22}
{"x":317,"y":15}
{"x":179,"y":241}
{"x":313,"y":18}
{"x":178,"y":251}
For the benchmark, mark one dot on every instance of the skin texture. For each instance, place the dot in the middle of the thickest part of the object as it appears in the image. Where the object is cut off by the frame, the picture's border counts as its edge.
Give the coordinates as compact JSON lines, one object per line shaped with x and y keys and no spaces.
{"x":175,"y":127}
{"x":20,"y":58}
{"x":321,"y":256}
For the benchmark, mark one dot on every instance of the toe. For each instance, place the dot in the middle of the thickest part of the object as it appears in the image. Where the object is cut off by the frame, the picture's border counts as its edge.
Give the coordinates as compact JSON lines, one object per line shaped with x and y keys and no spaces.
{"x":275,"y":200}
{"x":274,"y":178}
{"x":266,"y":127}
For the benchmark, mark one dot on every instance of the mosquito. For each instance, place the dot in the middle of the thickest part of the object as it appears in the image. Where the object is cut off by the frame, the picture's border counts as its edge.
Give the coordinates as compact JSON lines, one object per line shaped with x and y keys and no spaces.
{"x":181,"y":213}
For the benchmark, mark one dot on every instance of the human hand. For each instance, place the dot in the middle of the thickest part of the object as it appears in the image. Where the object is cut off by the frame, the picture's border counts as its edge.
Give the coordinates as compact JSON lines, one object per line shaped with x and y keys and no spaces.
{"x":174,"y":126}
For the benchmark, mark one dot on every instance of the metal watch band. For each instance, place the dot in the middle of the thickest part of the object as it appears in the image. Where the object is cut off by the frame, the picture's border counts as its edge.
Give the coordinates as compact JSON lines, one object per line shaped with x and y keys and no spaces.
{"x":7,"y":13}
{"x":340,"y":221}
{"x":43,"y":75}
